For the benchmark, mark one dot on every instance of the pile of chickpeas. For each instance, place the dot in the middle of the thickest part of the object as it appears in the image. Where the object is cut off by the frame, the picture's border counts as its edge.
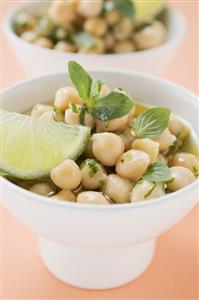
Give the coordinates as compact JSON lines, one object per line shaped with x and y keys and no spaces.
{"x":104,"y":31}
{"x":110,"y":170}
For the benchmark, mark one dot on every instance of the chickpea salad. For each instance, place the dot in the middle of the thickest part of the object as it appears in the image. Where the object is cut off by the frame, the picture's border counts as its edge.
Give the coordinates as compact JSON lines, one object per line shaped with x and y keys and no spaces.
{"x":95,"y":26}
{"x":95,"y":145}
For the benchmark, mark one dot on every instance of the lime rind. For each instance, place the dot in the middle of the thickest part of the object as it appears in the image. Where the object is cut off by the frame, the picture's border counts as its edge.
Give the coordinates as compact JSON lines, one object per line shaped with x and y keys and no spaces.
{"x":30,"y":147}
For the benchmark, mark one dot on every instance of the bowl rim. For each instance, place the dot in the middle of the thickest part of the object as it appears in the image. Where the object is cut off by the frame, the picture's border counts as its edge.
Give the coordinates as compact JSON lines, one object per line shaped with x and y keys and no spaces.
{"x":97,"y":207}
{"x":9,"y":32}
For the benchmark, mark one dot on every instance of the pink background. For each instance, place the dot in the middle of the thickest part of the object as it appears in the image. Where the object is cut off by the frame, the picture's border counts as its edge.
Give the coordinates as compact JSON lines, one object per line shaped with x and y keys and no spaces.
{"x":173,"y":273}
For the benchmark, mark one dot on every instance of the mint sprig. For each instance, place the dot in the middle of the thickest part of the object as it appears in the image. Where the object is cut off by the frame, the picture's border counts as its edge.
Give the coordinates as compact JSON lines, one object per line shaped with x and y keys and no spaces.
{"x":151,"y":123}
{"x":125,"y":8}
{"x":157,"y":172}
{"x":115,"y":105}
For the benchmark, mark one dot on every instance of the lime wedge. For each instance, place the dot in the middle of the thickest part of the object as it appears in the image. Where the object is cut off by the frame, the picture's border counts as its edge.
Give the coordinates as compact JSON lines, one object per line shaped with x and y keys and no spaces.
{"x":30,"y":147}
{"x":146,"y":10}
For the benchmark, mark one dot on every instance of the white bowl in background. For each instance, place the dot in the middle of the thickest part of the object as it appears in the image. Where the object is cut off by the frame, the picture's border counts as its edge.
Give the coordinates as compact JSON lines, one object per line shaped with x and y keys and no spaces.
{"x":37,"y":60}
{"x":96,"y":246}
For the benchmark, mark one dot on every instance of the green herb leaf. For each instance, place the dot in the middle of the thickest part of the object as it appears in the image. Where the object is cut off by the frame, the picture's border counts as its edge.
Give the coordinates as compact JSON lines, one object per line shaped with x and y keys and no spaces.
{"x":175,"y":147}
{"x":150,"y":191}
{"x":93,"y":166}
{"x":157,"y":172}
{"x":96,"y":86}
{"x":80,"y":79}
{"x":114,"y":105}
{"x":84,"y":40}
{"x":56,"y":111}
{"x":84,"y":109}
{"x":125,"y":8}
{"x":151,"y":123}
{"x":74,"y":107}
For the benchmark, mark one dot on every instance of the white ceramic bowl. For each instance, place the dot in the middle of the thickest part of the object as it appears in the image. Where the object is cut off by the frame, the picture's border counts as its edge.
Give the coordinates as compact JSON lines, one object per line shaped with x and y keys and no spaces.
{"x":93,"y":246}
{"x":37,"y":60}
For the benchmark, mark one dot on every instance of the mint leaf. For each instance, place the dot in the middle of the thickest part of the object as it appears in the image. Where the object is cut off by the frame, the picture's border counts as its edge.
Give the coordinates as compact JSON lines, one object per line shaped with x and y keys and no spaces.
{"x":84,"y":109}
{"x":80,"y":79}
{"x":84,"y":40}
{"x":125,"y":8}
{"x":157,"y":172}
{"x":151,"y":123}
{"x":114,"y":105}
{"x":96,"y":86}
{"x":74,"y":107}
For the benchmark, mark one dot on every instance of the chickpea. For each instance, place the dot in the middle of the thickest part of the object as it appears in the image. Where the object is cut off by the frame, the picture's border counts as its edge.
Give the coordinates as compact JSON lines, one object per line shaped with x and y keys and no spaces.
{"x":107,"y":148}
{"x":60,"y":33}
{"x":47,"y":115}
{"x":177,"y":127}
{"x":146,"y":190}
{"x":65,"y":195}
{"x":44,"y":42}
{"x":112,"y":125}
{"x":95,"y":26}
{"x":162,"y":158}
{"x":44,"y":27}
{"x":73,"y":118}
{"x":65,"y":95}
{"x":43,"y":189}
{"x":63,"y":12}
{"x":148,"y":146}
{"x":181,"y":177}
{"x":93,"y":175}
{"x":109,"y":41}
{"x":66,"y":175}
{"x":123,"y":29}
{"x":124,"y":47}
{"x":87,"y":9}
{"x":131,"y":115}
{"x":132,"y":164}
{"x":127,"y":137}
{"x":39,"y":109}
{"x":151,"y":36}
{"x":29,"y":36}
{"x":165,"y":140}
{"x":65,"y":47}
{"x":98,"y":48}
{"x":112,"y":17}
{"x":186,"y":160}
{"x":92,"y":198}
{"x":105,"y":90}
{"x":117,"y":188}
{"x":24,"y":22}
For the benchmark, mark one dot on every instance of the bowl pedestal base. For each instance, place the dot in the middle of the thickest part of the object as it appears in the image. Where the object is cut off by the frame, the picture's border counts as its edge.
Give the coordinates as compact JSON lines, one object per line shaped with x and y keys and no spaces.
{"x":93,"y":268}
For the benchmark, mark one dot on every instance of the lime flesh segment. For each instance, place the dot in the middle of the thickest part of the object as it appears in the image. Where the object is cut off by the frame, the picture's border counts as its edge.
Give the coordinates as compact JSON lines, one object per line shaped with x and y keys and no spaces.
{"x":146,"y":10}
{"x":30,"y":147}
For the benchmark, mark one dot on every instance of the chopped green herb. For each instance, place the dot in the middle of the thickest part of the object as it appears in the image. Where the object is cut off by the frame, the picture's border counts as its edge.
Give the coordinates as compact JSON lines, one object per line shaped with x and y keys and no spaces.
{"x":74,"y":107}
{"x":93,"y":166}
{"x":157,"y":172}
{"x":148,"y":194}
{"x":56,"y":111}
{"x":175,"y":147}
{"x":125,"y":8}
{"x":83,"y":110}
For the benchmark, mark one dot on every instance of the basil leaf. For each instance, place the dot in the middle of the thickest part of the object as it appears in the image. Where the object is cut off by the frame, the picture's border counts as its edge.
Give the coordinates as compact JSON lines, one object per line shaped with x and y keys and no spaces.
{"x":84,"y":40}
{"x":157,"y":172}
{"x":80,"y":79}
{"x":114,"y":105}
{"x":151,"y":123}
{"x":96,"y":86}
{"x":125,"y":8}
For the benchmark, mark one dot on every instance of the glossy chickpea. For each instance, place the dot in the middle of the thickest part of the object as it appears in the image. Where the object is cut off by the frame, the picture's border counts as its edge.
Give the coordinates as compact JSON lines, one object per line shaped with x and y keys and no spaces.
{"x":117,"y":188}
{"x":92,"y":198}
{"x":181,"y":177}
{"x":107,"y":148}
{"x":29,"y":36}
{"x":146,"y":190}
{"x":87,"y":9}
{"x":63,"y":12}
{"x":123,"y":29}
{"x":44,"y":42}
{"x":148,"y":146}
{"x":65,"y":195}
{"x":112,"y":17}
{"x":151,"y":36}
{"x":66,"y":175}
{"x":24,"y":22}
{"x":127,"y":137}
{"x":124,"y":46}
{"x":165,"y":140}
{"x":65,"y":95}
{"x":73,"y":117}
{"x":95,"y":26}
{"x":112,"y":125}
{"x":65,"y":47}
{"x":43,"y":189}
{"x":186,"y":160}
{"x":44,"y":27}
{"x":132,"y":164}
{"x":177,"y":127}
{"x":93,"y":175}
{"x":39,"y":109}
